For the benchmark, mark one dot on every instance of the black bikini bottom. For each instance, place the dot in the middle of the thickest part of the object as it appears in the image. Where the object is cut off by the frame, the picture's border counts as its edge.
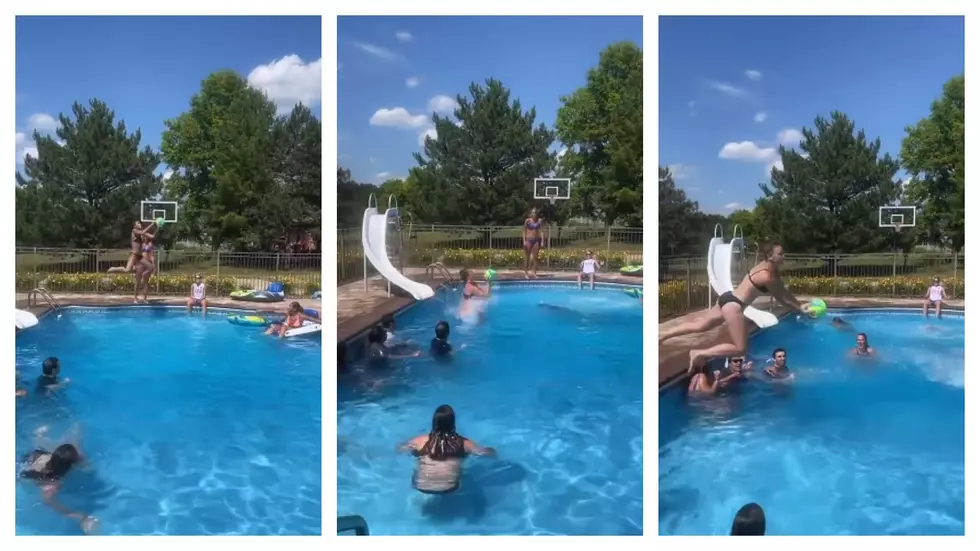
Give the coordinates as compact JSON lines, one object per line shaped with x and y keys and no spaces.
{"x":727,"y":297}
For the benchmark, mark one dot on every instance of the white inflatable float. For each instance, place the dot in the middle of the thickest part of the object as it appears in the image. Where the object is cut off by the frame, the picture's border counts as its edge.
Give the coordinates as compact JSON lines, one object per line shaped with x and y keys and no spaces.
{"x":308,"y":328}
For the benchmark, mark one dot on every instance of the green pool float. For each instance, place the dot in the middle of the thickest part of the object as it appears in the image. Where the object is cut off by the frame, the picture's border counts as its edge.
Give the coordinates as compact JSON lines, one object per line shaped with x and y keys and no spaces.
{"x":630,"y":270}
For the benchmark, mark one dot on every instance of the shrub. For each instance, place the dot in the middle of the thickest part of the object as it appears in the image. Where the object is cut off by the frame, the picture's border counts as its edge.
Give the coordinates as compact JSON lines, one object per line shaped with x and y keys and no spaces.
{"x":166,"y":284}
{"x":557,"y":259}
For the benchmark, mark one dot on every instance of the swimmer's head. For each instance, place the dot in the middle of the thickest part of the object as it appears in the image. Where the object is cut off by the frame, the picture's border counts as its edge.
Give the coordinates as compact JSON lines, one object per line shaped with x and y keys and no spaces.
{"x":862,"y":340}
{"x":444,"y":419}
{"x":442,"y":330}
{"x":295,"y":308}
{"x":388,"y":322}
{"x":465,"y":275}
{"x":377,"y":335}
{"x":62,"y":459}
{"x":736,"y":363}
{"x":51,"y":367}
{"x":779,"y":355}
{"x":774,"y":253}
{"x":749,"y":521}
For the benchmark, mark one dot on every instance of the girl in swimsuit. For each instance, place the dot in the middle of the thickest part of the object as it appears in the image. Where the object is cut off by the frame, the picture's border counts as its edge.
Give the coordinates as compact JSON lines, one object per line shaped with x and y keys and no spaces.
{"x":532,"y":243}
{"x":470,"y":291}
{"x":136,"y":248}
{"x":701,"y":384}
{"x":47,"y":469}
{"x":863,"y":347}
{"x":730,"y":309}
{"x":441,"y":453}
{"x":294,"y":318}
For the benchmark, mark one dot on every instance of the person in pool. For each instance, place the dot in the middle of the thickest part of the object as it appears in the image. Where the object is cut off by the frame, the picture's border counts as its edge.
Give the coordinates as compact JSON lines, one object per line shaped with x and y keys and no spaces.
{"x":533,"y":235}
{"x":48,"y":469}
{"x":136,"y":247}
{"x":440,"y":454}
{"x":738,"y":370}
{"x":378,"y":353}
{"x":935,"y":295}
{"x":703,"y":385}
{"x":471,"y":290}
{"x":778,"y":369}
{"x":48,"y":381}
{"x":763,"y":278}
{"x":841,"y":325}
{"x":440,"y":347}
{"x":198,"y":296}
{"x":295,"y":316}
{"x":863,"y":348}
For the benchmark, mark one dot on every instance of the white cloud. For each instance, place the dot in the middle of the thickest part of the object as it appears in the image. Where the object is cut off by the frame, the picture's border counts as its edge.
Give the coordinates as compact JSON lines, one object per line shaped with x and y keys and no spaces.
{"x":428,"y":133}
{"x":288,"y":81}
{"x":680,"y":172}
{"x":377,"y":51}
{"x":761,"y":117}
{"x":403,"y":36}
{"x":752,"y":74}
{"x":24,"y":145}
{"x":747,"y":151}
{"x":444,"y":105}
{"x":412,"y":82}
{"x":775,"y":163}
{"x":383,"y":175}
{"x":790,"y":136}
{"x":398,"y":117}
{"x":727,"y":89}
{"x":42,"y":122}
{"x":732,"y":206}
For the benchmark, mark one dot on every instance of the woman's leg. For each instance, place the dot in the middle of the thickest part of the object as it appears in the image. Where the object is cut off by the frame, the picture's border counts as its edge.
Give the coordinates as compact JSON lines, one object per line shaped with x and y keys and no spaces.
{"x":527,"y":259}
{"x":121,"y":270}
{"x":708,"y":321}
{"x":534,"y":257}
{"x":732,"y":315}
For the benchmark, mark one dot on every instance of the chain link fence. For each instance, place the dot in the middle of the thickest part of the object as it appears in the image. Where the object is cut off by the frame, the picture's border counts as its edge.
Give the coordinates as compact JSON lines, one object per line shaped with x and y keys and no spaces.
{"x":683,"y":280}
{"x":562,"y":249}
{"x":86,"y":271}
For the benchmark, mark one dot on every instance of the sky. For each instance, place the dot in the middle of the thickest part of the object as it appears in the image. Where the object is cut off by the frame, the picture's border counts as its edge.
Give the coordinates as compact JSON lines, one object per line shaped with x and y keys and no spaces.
{"x":147,"y":68}
{"x":393,"y":72}
{"x":732,"y":89}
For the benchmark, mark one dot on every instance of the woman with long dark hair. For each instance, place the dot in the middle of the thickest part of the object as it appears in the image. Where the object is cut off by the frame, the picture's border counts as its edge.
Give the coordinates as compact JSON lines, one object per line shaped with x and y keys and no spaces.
{"x":533,"y":234}
{"x":440,"y":454}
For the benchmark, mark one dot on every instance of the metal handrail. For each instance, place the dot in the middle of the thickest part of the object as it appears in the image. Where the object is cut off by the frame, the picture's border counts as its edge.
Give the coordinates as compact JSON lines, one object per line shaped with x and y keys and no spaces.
{"x":43,"y":293}
{"x":431,"y":269}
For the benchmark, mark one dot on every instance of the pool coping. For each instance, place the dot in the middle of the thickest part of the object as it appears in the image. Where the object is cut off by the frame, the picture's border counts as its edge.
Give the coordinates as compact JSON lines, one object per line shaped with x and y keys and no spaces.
{"x":674,"y":359}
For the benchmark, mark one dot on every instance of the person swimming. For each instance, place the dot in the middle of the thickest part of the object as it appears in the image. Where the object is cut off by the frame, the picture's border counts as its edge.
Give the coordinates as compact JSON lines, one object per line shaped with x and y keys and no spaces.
{"x":48,"y":381}
{"x":863,"y":347}
{"x":378,"y":353}
{"x":440,"y":346}
{"x":841,"y":325}
{"x":701,"y":384}
{"x":778,"y":368}
{"x":440,"y":454}
{"x":470,"y":291}
{"x":48,"y":469}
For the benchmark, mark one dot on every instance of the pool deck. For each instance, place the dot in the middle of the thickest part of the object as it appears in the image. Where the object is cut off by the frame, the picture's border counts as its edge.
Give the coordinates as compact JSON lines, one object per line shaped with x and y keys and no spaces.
{"x":95,"y":301}
{"x":674,"y":358}
{"x":357,"y":309}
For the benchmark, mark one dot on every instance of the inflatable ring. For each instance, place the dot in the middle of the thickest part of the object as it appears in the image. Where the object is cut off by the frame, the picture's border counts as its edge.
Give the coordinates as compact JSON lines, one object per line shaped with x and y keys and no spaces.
{"x":241,"y":319}
{"x":635,"y":292}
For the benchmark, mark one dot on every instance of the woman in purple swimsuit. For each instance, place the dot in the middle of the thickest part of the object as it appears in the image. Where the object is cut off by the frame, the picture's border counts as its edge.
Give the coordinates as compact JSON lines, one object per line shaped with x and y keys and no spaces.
{"x":532,"y":243}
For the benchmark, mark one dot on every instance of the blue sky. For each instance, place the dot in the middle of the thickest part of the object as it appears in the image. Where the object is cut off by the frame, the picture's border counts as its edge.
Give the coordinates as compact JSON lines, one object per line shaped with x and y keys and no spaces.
{"x":394,"y":71}
{"x":147,"y":68}
{"x":738,"y":86}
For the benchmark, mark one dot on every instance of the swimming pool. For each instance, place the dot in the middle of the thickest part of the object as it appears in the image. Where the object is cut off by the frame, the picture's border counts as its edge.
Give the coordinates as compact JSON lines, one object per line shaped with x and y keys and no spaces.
{"x":192,"y":425}
{"x":552,"y":379}
{"x":853,"y":446}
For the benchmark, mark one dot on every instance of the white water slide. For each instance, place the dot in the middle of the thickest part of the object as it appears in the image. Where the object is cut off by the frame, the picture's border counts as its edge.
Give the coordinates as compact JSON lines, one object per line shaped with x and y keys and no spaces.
{"x":720,"y":274}
{"x":24,"y":319}
{"x":373,"y":237}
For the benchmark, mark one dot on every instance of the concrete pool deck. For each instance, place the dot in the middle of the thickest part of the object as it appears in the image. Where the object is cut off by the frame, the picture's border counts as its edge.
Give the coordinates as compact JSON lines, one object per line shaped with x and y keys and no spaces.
{"x":674,"y":357}
{"x":98,"y":300}
{"x":358,"y":310}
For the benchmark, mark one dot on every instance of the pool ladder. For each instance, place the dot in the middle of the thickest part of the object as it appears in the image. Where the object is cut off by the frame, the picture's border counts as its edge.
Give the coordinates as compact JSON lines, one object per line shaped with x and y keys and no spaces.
{"x":43,"y":293}
{"x":438,"y":268}
{"x":352,"y":523}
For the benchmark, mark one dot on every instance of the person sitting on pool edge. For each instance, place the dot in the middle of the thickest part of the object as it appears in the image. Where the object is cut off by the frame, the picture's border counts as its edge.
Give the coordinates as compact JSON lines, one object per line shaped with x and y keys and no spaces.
{"x":48,"y":381}
{"x":778,"y":368}
{"x":295,"y":317}
{"x":440,"y":454}
{"x":47,"y":469}
{"x":863,"y":347}
{"x":588,"y":267}
{"x":198,"y":296}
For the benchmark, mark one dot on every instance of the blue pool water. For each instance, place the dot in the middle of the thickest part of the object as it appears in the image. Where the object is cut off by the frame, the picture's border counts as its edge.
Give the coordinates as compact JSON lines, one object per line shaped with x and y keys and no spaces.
{"x":192,"y":425}
{"x":558,"y":393}
{"x":851,"y":447}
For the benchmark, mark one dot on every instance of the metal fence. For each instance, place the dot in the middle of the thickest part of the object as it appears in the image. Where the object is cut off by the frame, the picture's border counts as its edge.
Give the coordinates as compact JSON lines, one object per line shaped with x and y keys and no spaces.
{"x":86,"y":271}
{"x":683,"y":281}
{"x":563,"y":248}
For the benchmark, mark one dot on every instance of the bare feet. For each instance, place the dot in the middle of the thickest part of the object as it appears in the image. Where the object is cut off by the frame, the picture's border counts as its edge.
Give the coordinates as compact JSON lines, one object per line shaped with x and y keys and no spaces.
{"x":695,"y":356}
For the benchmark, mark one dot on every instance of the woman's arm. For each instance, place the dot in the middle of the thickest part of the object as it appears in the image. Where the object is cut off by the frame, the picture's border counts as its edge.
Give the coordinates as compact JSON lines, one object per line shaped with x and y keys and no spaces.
{"x":783,"y":296}
{"x":524,"y":233}
{"x":48,"y":496}
{"x":476,"y":449}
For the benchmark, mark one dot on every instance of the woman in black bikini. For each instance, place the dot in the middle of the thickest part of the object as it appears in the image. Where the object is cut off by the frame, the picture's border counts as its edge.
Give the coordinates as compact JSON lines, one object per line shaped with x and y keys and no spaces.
{"x":532,"y":243}
{"x":47,"y":469}
{"x":135,"y":248}
{"x":762,"y":279}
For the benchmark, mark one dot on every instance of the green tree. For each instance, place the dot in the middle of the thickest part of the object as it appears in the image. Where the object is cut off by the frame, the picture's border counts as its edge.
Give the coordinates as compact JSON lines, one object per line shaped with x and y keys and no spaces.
{"x":84,"y":188}
{"x":602,"y":125}
{"x":479,"y":168}
{"x":297,"y":174}
{"x":677,"y":217}
{"x":825,"y":199}
{"x":224,"y":148}
{"x":352,"y":199}
{"x":934,"y":154}
{"x":747,"y":221}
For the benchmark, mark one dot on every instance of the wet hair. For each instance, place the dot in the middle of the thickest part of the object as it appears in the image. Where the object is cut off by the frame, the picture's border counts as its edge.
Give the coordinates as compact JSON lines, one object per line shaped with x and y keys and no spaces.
{"x":464,"y":275}
{"x":50,"y":366}
{"x":770,"y":248}
{"x":866,"y":341}
{"x":750,"y":520}
{"x":442,"y":330}
{"x":62,"y":459}
{"x":388,"y":322}
{"x":296,"y":308}
{"x":377,"y":334}
{"x":444,"y":442}
{"x":777,"y":351}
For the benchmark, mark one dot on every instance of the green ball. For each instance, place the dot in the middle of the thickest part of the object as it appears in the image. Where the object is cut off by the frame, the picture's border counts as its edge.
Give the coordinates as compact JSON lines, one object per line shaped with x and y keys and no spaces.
{"x":818,"y":307}
{"x":161,"y":222}
{"x":490,"y":274}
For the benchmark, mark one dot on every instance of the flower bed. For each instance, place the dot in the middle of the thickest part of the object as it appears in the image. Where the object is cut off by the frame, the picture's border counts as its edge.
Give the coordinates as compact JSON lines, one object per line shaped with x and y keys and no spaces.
{"x":166,"y":284}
